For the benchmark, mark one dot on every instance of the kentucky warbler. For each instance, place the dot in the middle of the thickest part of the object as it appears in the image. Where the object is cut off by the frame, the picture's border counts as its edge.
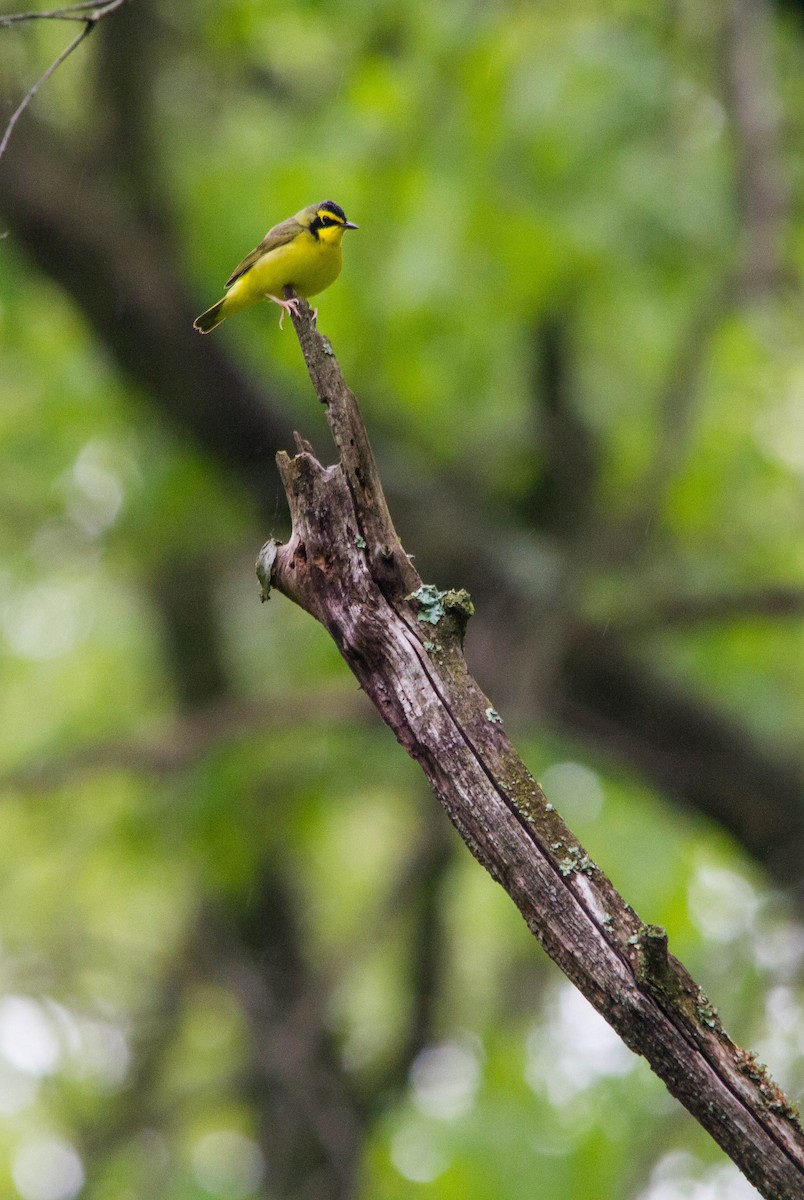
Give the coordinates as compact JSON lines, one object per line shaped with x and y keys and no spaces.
{"x":303,"y":252}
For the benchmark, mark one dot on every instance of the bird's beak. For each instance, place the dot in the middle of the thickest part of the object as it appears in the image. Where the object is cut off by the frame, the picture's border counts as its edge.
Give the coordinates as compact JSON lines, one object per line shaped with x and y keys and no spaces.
{"x":350,"y":225}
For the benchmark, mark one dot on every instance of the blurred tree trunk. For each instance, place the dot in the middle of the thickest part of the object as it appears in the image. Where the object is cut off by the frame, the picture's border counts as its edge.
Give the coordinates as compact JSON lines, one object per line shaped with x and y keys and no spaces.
{"x":762,"y":192}
{"x":310,"y":1123}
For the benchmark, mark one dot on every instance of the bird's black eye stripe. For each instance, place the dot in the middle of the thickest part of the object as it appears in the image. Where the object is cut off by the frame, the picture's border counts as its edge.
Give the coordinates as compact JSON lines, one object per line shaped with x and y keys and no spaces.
{"x":323,"y":221}
{"x":326,"y":217}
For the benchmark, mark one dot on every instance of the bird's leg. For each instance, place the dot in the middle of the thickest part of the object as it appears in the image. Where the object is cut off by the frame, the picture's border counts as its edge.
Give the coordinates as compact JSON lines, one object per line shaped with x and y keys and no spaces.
{"x":291,"y":306}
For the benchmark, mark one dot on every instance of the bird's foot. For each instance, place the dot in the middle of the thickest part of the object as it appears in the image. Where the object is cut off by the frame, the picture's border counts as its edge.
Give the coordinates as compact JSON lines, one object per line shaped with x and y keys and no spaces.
{"x":315,"y":315}
{"x":291,"y":306}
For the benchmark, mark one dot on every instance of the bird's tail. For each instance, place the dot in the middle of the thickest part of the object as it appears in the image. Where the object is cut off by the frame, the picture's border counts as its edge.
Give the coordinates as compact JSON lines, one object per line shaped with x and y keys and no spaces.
{"x":209,"y":319}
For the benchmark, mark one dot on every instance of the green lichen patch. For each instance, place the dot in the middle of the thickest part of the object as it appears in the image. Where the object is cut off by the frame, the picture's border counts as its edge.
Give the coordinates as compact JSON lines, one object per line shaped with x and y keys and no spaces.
{"x":706,"y":1012}
{"x":435,"y":604}
{"x":769,"y":1090}
{"x":431,"y":601}
{"x":578,"y":860}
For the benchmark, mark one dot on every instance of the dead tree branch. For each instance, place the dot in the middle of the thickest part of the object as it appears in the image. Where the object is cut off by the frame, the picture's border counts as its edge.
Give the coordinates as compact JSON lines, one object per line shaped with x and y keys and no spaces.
{"x":344,"y":564}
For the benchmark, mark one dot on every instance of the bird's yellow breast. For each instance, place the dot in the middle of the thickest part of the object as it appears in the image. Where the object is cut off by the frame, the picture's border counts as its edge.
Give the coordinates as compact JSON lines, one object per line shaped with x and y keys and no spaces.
{"x":308,"y":264}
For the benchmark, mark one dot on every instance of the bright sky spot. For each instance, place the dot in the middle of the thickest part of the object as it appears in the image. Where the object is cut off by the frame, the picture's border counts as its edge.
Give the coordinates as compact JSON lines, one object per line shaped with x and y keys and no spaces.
{"x":782,"y":1046}
{"x":722,"y":903}
{"x":680,"y":1176}
{"x":95,"y":1049}
{"x":28,"y":1040}
{"x":573,"y":1048}
{"x":95,"y":494}
{"x":416,"y":1154}
{"x":780,"y":428}
{"x":780,"y":948}
{"x":47,"y":1169}
{"x":43,"y":622}
{"x":445,"y":1078}
{"x":228,"y":1164}
{"x":103,"y":1054}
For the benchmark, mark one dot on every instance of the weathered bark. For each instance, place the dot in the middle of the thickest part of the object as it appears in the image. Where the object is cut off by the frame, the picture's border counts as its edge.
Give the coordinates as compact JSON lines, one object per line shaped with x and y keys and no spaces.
{"x":345,"y":565}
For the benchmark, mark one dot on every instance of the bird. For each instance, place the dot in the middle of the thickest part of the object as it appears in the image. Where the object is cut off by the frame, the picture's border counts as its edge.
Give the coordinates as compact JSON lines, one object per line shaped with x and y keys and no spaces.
{"x":303,"y":252}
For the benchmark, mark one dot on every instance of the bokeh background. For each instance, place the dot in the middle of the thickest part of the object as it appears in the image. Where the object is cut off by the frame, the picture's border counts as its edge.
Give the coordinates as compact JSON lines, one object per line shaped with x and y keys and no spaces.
{"x":242,"y":953}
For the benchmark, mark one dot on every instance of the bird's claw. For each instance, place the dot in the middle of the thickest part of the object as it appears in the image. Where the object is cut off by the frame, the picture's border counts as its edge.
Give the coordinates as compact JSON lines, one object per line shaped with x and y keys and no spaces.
{"x":291,"y":306}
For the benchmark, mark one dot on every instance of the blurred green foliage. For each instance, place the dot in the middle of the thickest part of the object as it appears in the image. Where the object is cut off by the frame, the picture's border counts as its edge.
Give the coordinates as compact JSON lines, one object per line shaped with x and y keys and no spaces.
{"x":507,"y":164}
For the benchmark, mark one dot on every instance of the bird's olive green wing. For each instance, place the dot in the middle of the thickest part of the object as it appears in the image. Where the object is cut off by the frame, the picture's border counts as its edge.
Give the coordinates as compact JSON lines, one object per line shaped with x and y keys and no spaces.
{"x":280,"y":235}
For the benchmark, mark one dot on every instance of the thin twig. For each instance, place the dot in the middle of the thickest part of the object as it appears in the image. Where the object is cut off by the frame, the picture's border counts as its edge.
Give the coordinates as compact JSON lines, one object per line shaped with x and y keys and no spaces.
{"x":29,"y":95}
{"x":93,"y":12}
{"x":71,"y":12}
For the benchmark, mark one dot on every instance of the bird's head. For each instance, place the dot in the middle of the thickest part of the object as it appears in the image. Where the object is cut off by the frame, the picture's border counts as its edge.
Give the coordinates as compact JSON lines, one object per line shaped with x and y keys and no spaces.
{"x":325,"y":221}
